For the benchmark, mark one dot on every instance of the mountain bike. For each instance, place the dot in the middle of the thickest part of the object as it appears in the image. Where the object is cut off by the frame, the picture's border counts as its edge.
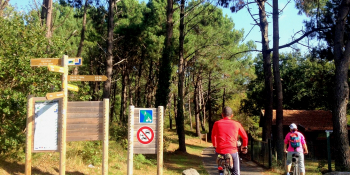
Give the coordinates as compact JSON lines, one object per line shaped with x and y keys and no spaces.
{"x":225,"y":164}
{"x":295,"y":164}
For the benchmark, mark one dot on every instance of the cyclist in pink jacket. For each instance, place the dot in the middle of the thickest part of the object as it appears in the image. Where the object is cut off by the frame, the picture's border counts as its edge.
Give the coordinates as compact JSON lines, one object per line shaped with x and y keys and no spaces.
{"x":296,"y":145}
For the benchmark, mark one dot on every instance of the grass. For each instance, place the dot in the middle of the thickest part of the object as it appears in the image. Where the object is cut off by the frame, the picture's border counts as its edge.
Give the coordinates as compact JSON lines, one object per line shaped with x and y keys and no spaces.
{"x":81,"y":154}
{"x":312,"y":167}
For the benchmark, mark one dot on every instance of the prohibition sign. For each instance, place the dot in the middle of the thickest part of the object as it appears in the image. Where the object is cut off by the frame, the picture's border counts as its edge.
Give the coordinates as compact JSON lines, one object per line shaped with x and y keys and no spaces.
{"x":145,"y":135}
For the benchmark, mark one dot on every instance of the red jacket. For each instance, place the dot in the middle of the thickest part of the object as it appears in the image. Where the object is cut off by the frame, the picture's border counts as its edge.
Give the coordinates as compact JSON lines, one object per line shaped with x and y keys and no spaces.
{"x":224,"y":135}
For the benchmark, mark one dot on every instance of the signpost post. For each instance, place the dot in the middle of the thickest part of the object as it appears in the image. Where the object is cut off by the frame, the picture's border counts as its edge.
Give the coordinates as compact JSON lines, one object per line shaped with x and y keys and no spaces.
{"x":329,"y":150}
{"x":64,"y":116}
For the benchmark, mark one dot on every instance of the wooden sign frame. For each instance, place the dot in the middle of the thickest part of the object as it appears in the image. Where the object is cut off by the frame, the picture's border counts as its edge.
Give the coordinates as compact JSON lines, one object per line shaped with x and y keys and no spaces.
{"x":145,"y":149}
{"x":102,"y":115}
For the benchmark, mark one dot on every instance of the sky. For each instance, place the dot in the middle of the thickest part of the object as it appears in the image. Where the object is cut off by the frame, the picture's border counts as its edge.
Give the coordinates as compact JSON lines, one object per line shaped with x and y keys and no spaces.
{"x":289,"y":22}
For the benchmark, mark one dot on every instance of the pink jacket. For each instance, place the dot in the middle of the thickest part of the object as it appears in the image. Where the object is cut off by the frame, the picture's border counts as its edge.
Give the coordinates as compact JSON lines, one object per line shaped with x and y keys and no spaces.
{"x":302,"y":141}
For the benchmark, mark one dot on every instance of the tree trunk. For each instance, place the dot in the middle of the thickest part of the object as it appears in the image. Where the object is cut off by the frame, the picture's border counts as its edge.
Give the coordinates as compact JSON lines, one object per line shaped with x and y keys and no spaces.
{"x":210,"y":122}
{"x":223,"y":98}
{"x":196,"y":109}
{"x":82,"y":35}
{"x":138,"y":88}
{"x":123,"y":103}
{"x":3,"y":5}
{"x":175,"y":112}
{"x":201,"y":105}
{"x":49,"y":19}
{"x":165,"y":64}
{"x":189,"y":111}
{"x":277,"y":76}
{"x":180,"y":128}
{"x":267,"y":71}
{"x":341,"y":90}
{"x":149,"y":85}
{"x":109,"y":60}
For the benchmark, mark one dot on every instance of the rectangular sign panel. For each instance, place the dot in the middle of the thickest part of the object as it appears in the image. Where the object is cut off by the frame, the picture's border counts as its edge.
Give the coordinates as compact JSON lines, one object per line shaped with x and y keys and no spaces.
{"x":45,"y":61}
{"x":75,"y":61}
{"x":87,"y":78}
{"x":72,"y":87}
{"x":145,"y":131}
{"x":146,"y":116}
{"x":56,"y":69}
{"x":46,"y":125}
{"x":54,"y":95}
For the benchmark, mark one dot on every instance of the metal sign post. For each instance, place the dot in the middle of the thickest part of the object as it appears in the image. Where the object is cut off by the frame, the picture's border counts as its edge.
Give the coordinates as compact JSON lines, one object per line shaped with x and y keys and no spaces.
{"x":329,"y":149}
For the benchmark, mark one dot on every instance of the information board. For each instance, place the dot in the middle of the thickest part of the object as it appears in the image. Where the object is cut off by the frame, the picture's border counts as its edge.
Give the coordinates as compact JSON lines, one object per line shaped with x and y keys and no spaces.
{"x":46,"y":125}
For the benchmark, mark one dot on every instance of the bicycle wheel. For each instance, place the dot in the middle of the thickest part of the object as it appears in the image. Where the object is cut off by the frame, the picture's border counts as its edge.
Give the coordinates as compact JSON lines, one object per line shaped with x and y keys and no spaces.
{"x":295,"y":169}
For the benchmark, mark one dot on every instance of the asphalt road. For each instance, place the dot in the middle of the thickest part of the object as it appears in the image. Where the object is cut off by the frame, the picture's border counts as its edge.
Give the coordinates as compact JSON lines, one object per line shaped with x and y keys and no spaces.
{"x":247,"y":167}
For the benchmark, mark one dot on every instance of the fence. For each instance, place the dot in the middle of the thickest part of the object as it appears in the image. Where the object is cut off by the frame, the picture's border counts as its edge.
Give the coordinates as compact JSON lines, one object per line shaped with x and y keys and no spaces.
{"x":260,"y":152}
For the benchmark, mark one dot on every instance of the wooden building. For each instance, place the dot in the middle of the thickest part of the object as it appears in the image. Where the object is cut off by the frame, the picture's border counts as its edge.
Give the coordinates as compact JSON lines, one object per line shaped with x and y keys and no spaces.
{"x":312,"y":123}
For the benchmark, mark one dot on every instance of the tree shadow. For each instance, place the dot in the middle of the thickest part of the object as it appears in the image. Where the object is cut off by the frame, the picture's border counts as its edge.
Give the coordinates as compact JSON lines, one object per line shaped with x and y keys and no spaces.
{"x":16,"y":168}
{"x":191,"y":133}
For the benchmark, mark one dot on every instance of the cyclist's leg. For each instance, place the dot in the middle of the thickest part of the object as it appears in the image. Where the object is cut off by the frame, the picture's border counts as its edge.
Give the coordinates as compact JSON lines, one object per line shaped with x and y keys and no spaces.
{"x":236,"y":165}
{"x":301,"y":164}
{"x":289,"y":161}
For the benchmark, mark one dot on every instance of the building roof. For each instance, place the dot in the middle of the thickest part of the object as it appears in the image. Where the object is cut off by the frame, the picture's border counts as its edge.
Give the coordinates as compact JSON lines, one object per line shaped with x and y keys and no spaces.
{"x":310,"y":120}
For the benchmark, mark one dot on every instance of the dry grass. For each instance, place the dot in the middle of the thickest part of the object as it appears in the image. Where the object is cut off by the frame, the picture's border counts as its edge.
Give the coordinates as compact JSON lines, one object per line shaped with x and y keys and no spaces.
{"x":48,"y":163}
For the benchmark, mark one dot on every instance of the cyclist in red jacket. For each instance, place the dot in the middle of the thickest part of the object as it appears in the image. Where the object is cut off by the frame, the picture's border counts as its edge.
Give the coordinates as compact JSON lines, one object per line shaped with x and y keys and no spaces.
{"x":225,"y":135}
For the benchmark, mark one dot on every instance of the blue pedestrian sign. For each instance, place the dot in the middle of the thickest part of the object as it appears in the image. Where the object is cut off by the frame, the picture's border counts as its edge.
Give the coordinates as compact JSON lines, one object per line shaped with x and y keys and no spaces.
{"x":146,"y":116}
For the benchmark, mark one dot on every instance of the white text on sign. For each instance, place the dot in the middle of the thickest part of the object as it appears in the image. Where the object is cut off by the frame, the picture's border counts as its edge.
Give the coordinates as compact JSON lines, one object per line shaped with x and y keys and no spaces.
{"x":54,"y":95}
{"x":72,"y":87}
{"x":87,"y":78}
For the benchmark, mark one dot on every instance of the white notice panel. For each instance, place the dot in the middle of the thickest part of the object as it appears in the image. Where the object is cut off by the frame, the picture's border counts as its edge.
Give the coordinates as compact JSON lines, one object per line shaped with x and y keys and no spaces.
{"x":45,"y":129}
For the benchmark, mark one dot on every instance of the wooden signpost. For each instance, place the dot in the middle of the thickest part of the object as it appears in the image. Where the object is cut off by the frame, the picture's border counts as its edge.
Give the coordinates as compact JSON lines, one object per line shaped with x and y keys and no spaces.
{"x":84,"y":118}
{"x":145,"y":134}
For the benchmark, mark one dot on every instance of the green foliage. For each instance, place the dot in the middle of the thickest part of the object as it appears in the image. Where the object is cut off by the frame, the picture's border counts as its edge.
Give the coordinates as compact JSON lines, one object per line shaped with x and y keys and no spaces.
{"x":119,"y":133}
{"x":307,"y":84}
{"x":90,"y":153}
{"x":20,"y":41}
{"x":166,"y":142}
{"x":140,"y":160}
{"x":22,"y":37}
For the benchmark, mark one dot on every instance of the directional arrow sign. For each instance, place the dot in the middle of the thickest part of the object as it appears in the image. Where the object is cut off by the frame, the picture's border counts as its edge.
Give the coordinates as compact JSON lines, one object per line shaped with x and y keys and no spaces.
{"x":87,"y":78}
{"x":45,"y":61}
{"x":54,"y":95}
{"x":55,"y":61}
{"x":73,"y":87}
{"x":56,"y":69}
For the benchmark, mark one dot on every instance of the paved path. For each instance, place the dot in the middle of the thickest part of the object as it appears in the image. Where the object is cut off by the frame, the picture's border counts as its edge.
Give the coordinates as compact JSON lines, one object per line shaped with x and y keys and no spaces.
{"x":247,"y":167}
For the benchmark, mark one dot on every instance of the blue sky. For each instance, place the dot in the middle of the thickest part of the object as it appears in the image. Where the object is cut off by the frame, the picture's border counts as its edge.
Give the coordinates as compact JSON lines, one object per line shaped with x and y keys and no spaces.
{"x":289,"y":23}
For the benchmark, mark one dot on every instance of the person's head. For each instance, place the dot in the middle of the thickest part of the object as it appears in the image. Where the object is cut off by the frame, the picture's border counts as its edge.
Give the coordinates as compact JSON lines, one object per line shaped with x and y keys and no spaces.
{"x":227,"y":112}
{"x":293,"y":127}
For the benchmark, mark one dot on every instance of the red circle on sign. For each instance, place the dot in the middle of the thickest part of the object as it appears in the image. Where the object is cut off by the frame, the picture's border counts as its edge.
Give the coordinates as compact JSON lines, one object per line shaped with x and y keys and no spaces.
{"x":145,"y":135}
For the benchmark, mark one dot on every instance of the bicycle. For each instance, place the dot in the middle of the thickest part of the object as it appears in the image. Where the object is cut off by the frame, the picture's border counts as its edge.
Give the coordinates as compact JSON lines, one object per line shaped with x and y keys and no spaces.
{"x":225,"y":164}
{"x":295,"y":165}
